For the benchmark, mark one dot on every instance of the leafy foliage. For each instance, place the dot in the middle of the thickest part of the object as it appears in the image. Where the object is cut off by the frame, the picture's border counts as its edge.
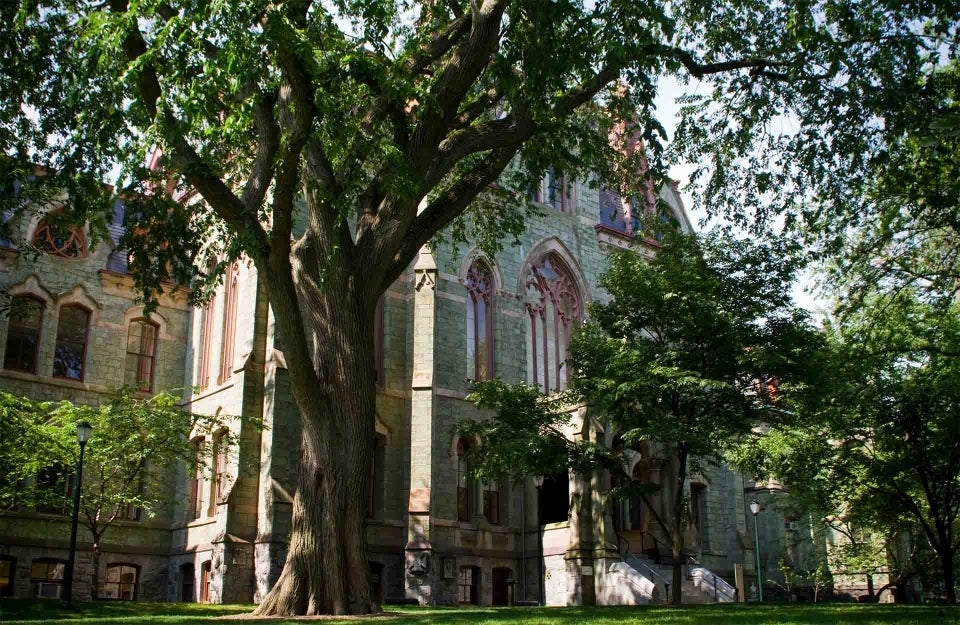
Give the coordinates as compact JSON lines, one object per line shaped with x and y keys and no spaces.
{"x":882,"y":450}
{"x":131,"y":460}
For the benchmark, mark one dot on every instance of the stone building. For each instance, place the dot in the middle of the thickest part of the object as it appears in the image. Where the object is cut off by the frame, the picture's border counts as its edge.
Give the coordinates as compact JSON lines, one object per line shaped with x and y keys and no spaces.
{"x":435,"y":536}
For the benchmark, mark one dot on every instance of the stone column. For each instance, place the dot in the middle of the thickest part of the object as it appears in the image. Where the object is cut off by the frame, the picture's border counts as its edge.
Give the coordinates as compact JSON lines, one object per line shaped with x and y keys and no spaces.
{"x":420,"y":571}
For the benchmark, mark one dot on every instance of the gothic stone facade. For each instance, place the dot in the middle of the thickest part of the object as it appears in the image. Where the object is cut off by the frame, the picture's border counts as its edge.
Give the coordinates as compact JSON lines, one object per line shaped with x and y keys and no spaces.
{"x":434,"y":536}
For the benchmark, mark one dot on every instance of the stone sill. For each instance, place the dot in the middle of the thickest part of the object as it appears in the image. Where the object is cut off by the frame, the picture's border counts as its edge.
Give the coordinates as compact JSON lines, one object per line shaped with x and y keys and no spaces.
{"x":53,"y":381}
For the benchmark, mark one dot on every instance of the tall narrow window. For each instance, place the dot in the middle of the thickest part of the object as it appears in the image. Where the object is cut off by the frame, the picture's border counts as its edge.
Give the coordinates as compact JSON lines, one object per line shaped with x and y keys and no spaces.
{"x":195,"y":501}
{"x":464,"y":482}
{"x":71,"y":349}
{"x":378,"y":343}
{"x":492,"y":503}
{"x":141,"y":354}
{"x":480,"y":321}
{"x":559,"y":191}
{"x":611,"y":211}
{"x":553,"y":307}
{"x":218,"y":486}
{"x":23,"y":334}
{"x":698,"y":511}
{"x":121,"y":582}
{"x":206,"y":343}
{"x":375,"y":496}
{"x":228,"y":336}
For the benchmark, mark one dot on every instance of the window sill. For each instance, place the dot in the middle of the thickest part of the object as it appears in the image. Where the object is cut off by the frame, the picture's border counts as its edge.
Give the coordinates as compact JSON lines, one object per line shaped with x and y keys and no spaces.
{"x":54,"y":381}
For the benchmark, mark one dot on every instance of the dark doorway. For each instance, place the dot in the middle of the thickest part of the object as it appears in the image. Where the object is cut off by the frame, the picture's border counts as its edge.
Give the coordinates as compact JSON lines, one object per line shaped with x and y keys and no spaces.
{"x":501,"y":587}
{"x":187,"y":575}
{"x":555,"y":498}
{"x":376,"y":581}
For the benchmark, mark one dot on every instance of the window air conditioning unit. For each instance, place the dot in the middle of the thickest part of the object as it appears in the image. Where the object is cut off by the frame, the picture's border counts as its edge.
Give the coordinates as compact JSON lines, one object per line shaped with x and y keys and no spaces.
{"x":46,"y":590}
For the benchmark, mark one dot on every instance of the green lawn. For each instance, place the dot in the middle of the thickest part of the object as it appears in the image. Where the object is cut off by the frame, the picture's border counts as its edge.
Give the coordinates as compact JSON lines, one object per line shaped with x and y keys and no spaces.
{"x":14,"y":612}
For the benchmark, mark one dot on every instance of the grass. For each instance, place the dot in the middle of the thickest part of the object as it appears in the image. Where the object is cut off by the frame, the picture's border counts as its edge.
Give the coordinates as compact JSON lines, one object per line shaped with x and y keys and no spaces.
{"x":17,"y":612}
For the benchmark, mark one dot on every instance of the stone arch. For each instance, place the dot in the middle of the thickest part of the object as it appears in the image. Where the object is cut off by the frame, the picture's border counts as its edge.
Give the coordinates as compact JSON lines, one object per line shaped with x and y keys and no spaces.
{"x":31,"y":286}
{"x":78,"y":296}
{"x":474,"y":255}
{"x":136,"y":312}
{"x":554,"y":245}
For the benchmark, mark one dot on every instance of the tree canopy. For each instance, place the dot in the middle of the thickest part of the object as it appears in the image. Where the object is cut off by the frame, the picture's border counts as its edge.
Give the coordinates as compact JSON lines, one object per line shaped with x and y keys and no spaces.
{"x":329,"y":142}
{"x":882,"y":447}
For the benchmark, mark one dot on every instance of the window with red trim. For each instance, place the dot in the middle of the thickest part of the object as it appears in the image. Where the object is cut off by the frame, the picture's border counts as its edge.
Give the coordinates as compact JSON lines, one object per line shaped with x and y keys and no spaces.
{"x":228,"y":336}
{"x":71,"y":349}
{"x":480,"y":321}
{"x":206,"y":340}
{"x":195,"y":500}
{"x":553,"y":307}
{"x":218,"y":487}
{"x":141,"y":354}
{"x":23,"y":334}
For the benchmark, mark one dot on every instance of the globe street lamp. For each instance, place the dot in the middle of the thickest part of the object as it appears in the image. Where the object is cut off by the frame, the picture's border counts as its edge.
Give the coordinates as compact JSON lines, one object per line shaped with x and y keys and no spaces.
{"x":538,"y":482}
{"x":755,"y":509}
{"x":83,"y":435}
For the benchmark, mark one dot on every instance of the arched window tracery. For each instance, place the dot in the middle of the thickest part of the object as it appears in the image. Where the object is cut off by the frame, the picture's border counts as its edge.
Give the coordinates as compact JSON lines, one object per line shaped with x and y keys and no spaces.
{"x":554,"y":307}
{"x":60,"y":240}
{"x":480,"y":286}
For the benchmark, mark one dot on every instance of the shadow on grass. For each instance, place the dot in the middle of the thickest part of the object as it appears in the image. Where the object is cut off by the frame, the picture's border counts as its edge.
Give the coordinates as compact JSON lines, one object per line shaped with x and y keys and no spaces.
{"x":116,"y":613}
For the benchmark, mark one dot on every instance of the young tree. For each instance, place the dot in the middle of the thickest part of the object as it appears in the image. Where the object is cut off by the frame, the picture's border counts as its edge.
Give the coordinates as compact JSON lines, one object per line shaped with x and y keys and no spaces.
{"x":329,"y":142}
{"x":681,"y":355}
{"x":886,"y":431}
{"x":134,"y":454}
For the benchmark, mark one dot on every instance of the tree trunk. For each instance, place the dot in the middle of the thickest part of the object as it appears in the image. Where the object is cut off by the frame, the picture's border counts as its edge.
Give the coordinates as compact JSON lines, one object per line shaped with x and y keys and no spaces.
{"x":678,"y":525}
{"x":327,"y":569}
{"x":95,"y":575}
{"x":946,"y":562}
{"x":871,"y":593}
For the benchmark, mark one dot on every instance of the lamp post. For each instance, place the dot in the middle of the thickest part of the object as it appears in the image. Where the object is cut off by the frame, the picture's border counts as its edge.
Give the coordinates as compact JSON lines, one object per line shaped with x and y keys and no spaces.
{"x":755,"y":510}
{"x":83,"y":434}
{"x":538,"y":482}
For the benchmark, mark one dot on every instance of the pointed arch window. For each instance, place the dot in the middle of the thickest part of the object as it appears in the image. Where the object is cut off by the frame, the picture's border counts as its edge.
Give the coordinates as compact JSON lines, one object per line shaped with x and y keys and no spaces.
{"x":480,"y":321}
{"x":228,"y":336}
{"x":141,"y":354}
{"x":554,"y":307}
{"x":23,"y":334}
{"x":60,"y":240}
{"x":71,"y":349}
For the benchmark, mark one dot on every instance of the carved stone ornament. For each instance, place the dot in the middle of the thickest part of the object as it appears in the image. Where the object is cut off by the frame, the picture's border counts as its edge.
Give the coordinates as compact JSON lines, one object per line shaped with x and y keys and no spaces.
{"x":419,"y":563}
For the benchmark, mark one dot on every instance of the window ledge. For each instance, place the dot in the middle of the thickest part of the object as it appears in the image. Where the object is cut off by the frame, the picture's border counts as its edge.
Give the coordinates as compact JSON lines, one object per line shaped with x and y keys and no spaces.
{"x":54,"y":381}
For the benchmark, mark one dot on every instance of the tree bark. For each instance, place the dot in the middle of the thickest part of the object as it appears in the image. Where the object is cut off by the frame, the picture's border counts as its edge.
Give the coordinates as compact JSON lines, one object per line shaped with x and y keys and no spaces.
{"x":678,"y":526}
{"x":327,"y":569}
{"x":946,"y":562}
{"x":95,"y":575}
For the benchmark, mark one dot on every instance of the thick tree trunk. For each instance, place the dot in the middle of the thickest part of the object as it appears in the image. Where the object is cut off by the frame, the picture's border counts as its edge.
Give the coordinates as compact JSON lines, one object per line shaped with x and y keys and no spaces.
{"x":946,"y":562}
{"x":327,"y":569}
